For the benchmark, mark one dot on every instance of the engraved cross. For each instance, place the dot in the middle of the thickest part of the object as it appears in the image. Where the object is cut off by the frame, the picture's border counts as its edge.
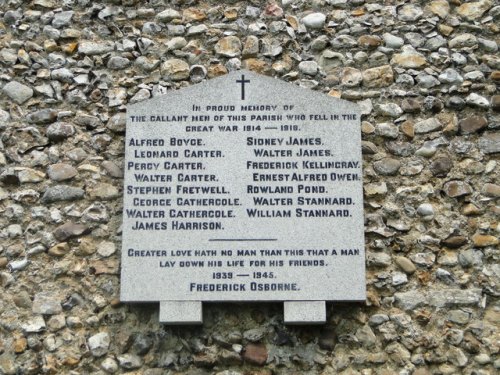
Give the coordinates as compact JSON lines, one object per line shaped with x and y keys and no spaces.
{"x":242,"y":81}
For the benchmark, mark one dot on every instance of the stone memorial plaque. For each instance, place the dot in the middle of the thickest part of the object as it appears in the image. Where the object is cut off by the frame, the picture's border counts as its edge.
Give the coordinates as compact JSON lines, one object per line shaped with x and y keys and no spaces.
{"x":243,"y":188}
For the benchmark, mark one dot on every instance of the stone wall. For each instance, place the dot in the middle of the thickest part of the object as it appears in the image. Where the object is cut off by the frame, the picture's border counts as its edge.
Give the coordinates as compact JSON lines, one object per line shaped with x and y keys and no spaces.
{"x":425,"y":74}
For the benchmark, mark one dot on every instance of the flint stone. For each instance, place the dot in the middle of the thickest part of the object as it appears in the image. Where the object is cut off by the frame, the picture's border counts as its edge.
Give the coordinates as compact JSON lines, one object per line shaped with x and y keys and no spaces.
{"x":454,"y":241}
{"x":229,"y":46}
{"x":375,"y":189}
{"x":427,"y":126}
{"x":175,"y":69}
{"x":381,"y":76}
{"x":112,"y":168}
{"x":438,"y":298}
{"x":440,"y":8}
{"x":495,"y":103}
{"x":470,"y":258}
{"x":344,"y":41}
{"x":314,"y":20}
{"x":389,"y":109}
{"x":366,"y":336}
{"x":62,"y":193}
{"x":392,"y":41}
{"x":351,"y":77}
{"x":99,"y":344}
{"x":8,"y":56}
{"x":490,"y":143}
{"x":405,"y":264}
{"x":255,"y":354}
{"x":46,"y":303}
{"x":454,"y":297}
{"x":477,"y":101}
{"x":62,"y":19}
{"x":43,"y":116}
{"x":4,"y":118}
{"x":110,"y":366}
{"x":141,"y":95}
{"x":254,"y":335}
{"x":463,"y":41}
{"x":129,"y":361}
{"x":411,"y":105}
{"x":387,"y":166}
{"x":88,"y":121}
{"x":104,"y":191}
{"x":409,"y":13}
{"x":106,"y":249}
{"x":18,"y":92}
{"x":369,"y":41}
{"x":472,"y":11}
{"x":117,"y":122}
{"x":59,"y":131}
{"x":251,"y":47}
{"x":61,"y":172}
{"x":472,"y":124}
{"x":118,"y":62}
{"x":176,"y":43}
{"x":483,"y":240}
{"x":12,"y":16}
{"x":409,"y":58}
{"x":59,"y":250}
{"x":378,"y":319}
{"x":455,"y":189}
{"x":70,"y":230}
{"x":441,"y":166}
{"x":491,"y":190}
{"x":93,"y":48}
{"x":197,"y":30}
{"x":427,"y":81}
{"x":308,"y":67}
{"x":168,"y":15}
{"x":387,"y":130}
{"x":425,"y":209}
{"x":147,"y":63}
{"x":378,"y":259}
{"x":410,"y":300}
{"x":488,"y":45}
{"x":450,"y":76}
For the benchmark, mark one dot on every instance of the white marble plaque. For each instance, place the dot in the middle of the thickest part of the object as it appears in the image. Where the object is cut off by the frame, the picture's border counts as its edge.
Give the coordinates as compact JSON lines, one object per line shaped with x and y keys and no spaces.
{"x":243,"y":188}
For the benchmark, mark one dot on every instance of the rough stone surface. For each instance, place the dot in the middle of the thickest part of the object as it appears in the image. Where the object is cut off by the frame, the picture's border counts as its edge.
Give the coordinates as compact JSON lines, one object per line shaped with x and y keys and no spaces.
{"x":46,"y":303}
{"x":18,"y":92}
{"x":69,"y":68}
{"x":99,"y":344}
{"x":62,"y":193}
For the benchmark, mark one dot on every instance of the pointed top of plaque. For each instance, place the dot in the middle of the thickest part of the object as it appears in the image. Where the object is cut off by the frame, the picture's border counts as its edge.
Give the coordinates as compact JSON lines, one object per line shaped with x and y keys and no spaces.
{"x":246,"y":87}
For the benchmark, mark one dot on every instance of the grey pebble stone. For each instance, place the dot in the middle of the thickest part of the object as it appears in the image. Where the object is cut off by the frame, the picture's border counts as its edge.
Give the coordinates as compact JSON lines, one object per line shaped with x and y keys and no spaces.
{"x":62,"y":193}
{"x":425,"y":209}
{"x":99,"y":344}
{"x":118,"y":62}
{"x":314,"y":20}
{"x":62,"y":19}
{"x":168,"y":15}
{"x":59,"y":131}
{"x":109,"y":365}
{"x":387,"y":166}
{"x":477,"y":100}
{"x":43,"y":116}
{"x":308,"y":67}
{"x":46,"y":303}
{"x":18,"y":91}
{"x":392,"y":41}
{"x":61,"y":172}
{"x":130,"y":361}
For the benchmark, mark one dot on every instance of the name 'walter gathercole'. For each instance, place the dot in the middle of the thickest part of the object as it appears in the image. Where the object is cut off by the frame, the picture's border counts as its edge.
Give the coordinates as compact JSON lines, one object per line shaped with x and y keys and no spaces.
{"x":241,"y":287}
